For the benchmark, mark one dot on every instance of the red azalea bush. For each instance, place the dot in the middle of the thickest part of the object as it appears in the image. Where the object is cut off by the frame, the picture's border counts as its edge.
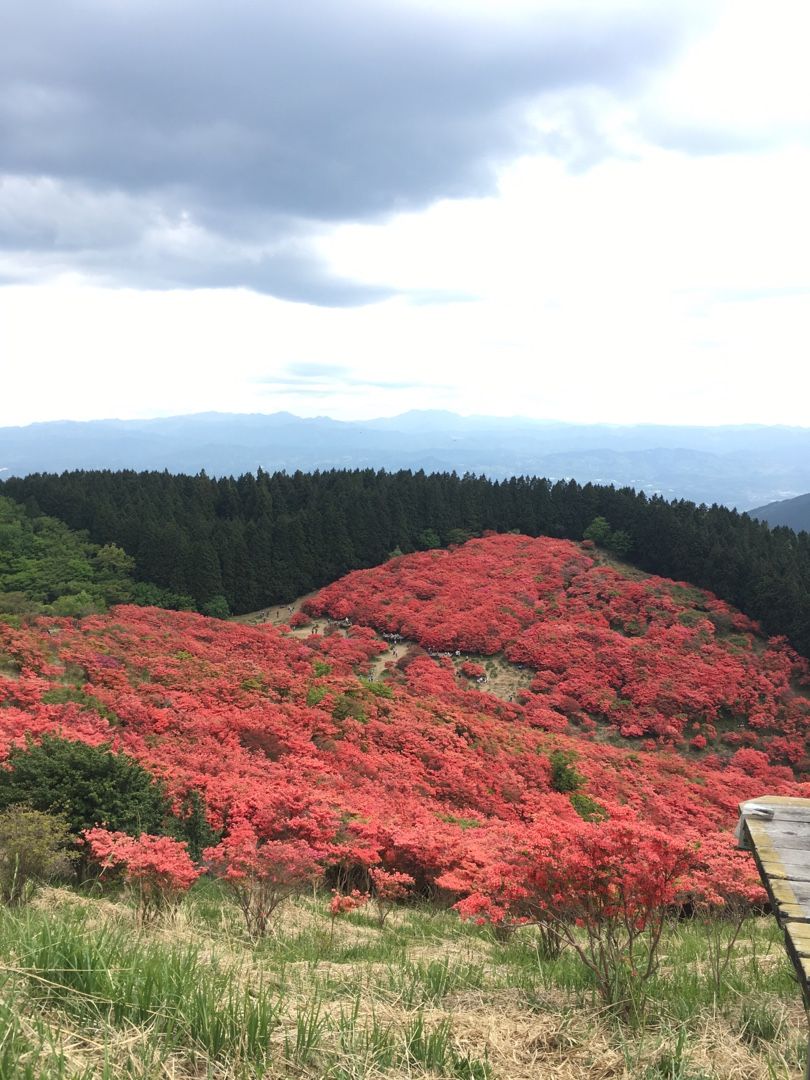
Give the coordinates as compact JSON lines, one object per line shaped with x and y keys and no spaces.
{"x":390,"y":888}
{"x":472,"y":671}
{"x":157,"y":868}
{"x":342,"y":903}
{"x":604,"y":888}
{"x":261,"y":874}
{"x":616,"y":882}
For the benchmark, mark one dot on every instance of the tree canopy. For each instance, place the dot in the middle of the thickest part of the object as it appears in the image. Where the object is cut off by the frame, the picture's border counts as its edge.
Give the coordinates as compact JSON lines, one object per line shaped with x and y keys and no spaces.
{"x":243,"y":543}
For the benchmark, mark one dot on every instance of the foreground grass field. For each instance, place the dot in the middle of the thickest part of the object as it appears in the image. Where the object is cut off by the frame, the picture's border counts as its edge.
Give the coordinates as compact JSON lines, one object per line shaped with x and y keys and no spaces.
{"x":85,"y":993}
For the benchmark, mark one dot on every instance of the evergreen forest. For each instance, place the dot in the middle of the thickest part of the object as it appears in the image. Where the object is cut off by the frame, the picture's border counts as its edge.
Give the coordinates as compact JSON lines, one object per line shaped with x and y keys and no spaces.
{"x":235,"y":545}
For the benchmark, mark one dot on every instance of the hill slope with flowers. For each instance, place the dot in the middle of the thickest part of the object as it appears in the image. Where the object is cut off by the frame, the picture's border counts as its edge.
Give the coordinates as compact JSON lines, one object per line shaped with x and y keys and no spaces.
{"x":424,"y":772}
{"x":611,"y":650}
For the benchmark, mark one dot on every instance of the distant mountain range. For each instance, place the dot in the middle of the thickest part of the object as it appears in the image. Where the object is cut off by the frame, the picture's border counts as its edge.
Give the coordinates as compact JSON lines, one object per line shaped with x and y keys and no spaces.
{"x":740,"y":466}
{"x":795,"y":513}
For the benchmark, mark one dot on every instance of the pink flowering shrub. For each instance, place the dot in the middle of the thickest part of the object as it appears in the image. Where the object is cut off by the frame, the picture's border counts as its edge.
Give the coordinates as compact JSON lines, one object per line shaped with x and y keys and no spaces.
{"x":343,"y":903}
{"x":157,"y":868}
{"x":261,"y":874}
{"x":390,"y":888}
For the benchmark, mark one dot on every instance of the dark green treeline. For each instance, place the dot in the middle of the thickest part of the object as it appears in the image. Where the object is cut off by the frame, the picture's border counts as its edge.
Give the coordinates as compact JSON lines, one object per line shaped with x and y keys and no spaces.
{"x":265,"y":539}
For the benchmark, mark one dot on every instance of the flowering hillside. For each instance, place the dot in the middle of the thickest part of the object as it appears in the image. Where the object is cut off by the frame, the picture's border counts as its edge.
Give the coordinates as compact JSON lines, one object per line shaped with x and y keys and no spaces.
{"x":611,"y":649}
{"x":424,"y":773}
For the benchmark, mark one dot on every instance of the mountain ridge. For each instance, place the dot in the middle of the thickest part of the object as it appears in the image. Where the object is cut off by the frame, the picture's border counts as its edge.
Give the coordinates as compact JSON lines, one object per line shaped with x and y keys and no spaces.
{"x":734,"y":465}
{"x":792,"y":513}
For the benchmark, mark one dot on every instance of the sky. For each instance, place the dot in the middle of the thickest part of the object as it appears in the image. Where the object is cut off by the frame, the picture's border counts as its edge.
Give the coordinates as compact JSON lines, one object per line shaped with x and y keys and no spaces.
{"x":584,"y":210}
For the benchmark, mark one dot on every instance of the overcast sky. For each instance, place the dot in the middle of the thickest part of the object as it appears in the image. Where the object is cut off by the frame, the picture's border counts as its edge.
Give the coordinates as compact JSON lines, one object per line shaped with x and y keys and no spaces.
{"x":582,"y":210}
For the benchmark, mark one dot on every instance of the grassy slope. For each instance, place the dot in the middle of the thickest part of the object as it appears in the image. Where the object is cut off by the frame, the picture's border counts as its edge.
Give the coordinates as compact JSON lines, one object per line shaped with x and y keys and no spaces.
{"x":86,"y":993}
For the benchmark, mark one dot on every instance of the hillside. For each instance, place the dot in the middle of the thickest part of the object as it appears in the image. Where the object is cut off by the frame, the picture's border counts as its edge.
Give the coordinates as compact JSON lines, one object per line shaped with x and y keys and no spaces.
{"x":734,"y":465}
{"x":288,"y":733}
{"x":612,"y":649}
{"x":574,"y":709}
{"x":794,"y":513}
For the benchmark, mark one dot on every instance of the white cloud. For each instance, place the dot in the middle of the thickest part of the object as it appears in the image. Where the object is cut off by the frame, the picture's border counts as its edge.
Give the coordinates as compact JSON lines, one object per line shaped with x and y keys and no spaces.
{"x":746,"y":82}
{"x":654,"y":269}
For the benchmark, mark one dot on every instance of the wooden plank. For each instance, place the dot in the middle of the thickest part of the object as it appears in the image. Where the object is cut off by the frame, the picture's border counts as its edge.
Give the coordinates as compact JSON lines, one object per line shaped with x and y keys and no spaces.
{"x":801,"y":964}
{"x":779,"y":828}
{"x":767,"y":834}
{"x":791,"y":892}
{"x":794,"y":869}
{"x":784,"y":901}
{"x":776,"y":871}
{"x":785,"y":891}
{"x":777,"y":832}
{"x":797,"y":857}
{"x":786,"y":909}
{"x":794,"y":912}
{"x":767,"y":807}
{"x":791,"y":814}
{"x":799,"y":934}
{"x":780,"y":802}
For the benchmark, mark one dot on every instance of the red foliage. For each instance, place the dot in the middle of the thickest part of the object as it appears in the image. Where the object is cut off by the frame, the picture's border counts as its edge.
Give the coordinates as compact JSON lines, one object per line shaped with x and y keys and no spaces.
{"x":261,"y":873}
{"x":157,"y":867}
{"x":342,"y":903}
{"x":390,"y":888}
{"x":472,"y":671}
{"x":644,"y":655}
{"x":299,"y":756}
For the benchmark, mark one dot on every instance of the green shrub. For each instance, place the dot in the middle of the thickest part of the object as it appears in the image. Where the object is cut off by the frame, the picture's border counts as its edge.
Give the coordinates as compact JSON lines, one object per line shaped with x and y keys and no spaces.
{"x":77,"y":605}
{"x":564,"y":777}
{"x":316,"y":694}
{"x":217,"y":607}
{"x":587,"y":808}
{"x":599,"y":532}
{"x":428,"y":539}
{"x":87,"y":785}
{"x":34,"y":848}
{"x":191,"y":825}
{"x":378,"y":689}
{"x":346,"y":705}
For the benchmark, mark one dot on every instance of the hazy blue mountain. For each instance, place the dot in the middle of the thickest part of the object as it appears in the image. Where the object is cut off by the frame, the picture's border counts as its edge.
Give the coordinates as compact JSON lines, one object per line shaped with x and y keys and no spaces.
{"x":739,"y":466}
{"x":795,"y":513}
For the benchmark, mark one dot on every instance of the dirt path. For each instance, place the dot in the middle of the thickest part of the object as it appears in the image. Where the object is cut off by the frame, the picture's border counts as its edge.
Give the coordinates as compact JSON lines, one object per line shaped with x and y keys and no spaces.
{"x":503,"y":679}
{"x":278,"y":613}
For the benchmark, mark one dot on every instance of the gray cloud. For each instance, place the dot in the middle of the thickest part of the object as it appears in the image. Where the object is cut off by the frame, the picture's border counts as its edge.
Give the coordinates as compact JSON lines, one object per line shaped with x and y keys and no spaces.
{"x":197,"y":143}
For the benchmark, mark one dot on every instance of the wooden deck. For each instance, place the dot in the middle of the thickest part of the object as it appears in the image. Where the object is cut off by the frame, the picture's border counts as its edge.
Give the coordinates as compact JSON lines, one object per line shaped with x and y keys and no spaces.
{"x":777,"y":831}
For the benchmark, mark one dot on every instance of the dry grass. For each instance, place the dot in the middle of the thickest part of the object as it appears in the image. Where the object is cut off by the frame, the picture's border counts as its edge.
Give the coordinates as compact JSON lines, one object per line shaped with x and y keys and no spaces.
{"x":364,"y":1003}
